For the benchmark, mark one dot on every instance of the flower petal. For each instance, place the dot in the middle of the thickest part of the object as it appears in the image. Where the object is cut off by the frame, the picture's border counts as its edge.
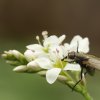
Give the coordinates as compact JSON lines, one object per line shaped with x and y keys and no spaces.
{"x":84,"y":45}
{"x":52,"y":74}
{"x":34,"y":47}
{"x":52,"y":40}
{"x":56,"y":52}
{"x":67,"y":46}
{"x":61,"y":38}
{"x":76,"y":39}
{"x":73,"y":67}
{"x":44,"y":63}
{"x":74,"y":43}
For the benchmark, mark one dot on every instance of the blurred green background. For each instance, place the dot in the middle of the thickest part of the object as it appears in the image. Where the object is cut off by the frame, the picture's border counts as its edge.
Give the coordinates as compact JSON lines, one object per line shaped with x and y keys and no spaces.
{"x":22,"y":20}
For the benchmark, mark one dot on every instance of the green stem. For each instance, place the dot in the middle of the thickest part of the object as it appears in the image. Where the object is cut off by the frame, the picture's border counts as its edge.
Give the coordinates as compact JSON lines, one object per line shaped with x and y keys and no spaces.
{"x":86,"y":95}
{"x":82,"y":89}
{"x":67,"y":80}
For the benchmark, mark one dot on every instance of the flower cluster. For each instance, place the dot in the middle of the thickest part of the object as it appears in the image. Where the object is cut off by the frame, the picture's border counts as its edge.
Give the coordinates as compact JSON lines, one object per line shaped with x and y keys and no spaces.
{"x":47,"y":58}
{"x":47,"y":55}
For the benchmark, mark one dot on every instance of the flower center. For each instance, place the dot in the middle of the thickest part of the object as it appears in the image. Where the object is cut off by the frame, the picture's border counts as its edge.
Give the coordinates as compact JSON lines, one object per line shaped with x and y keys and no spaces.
{"x":46,"y":50}
{"x":58,"y":63}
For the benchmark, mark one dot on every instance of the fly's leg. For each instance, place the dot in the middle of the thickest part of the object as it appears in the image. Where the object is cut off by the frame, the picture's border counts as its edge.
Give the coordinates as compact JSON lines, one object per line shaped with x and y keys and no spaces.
{"x":79,"y":80}
{"x":81,"y":74}
{"x":77,"y":46}
{"x":66,"y":59}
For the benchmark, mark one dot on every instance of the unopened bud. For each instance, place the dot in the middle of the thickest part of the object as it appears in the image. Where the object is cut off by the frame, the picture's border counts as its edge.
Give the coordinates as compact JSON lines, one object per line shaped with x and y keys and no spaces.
{"x":15,"y":53}
{"x":29,"y":55}
{"x":21,"y":68}
{"x":42,"y":73}
{"x":33,"y":67}
{"x":13,"y":63}
{"x":4,"y":56}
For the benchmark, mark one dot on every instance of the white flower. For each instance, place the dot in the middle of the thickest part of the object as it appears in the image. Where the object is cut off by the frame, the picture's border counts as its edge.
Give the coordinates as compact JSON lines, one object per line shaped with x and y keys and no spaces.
{"x":42,"y":49}
{"x":48,"y":55}
{"x":54,"y":65}
{"x":35,"y":47}
{"x":82,"y":44}
{"x":48,"y":42}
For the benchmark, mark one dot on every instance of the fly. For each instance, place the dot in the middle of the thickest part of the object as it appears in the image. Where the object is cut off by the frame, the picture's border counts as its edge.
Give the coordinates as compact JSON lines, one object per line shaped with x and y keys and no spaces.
{"x":86,"y":61}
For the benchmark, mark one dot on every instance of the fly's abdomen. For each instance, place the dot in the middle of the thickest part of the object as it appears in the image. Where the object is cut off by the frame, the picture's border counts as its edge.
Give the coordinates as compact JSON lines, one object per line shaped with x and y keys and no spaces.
{"x":93,"y":62}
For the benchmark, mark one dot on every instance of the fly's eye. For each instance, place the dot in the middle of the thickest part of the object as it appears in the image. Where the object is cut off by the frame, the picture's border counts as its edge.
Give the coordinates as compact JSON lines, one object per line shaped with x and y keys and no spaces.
{"x":71,"y":55}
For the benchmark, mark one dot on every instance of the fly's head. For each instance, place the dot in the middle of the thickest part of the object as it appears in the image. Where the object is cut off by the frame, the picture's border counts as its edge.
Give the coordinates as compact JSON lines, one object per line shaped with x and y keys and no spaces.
{"x":71,"y":55}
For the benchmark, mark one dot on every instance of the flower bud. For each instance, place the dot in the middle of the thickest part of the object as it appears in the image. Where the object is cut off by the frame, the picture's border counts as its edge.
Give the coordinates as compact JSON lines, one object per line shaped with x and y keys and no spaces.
{"x":4,"y":56}
{"x":33,"y":67}
{"x":13,"y":63}
{"x":29,"y":55}
{"x":42,"y":73}
{"x":16,"y":53}
{"x":21,"y":68}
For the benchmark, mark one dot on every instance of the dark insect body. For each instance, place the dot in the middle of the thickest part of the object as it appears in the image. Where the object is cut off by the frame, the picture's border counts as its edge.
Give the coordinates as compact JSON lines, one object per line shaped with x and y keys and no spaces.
{"x":87,"y":62}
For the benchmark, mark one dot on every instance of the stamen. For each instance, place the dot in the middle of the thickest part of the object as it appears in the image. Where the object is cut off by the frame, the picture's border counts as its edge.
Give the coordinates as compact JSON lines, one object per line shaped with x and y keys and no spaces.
{"x":57,"y":54}
{"x":45,"y":34}
{"x":38,"y":39}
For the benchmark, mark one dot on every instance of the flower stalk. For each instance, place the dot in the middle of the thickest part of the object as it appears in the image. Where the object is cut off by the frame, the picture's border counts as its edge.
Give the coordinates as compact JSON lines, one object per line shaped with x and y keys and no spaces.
{"x":70,"y":83}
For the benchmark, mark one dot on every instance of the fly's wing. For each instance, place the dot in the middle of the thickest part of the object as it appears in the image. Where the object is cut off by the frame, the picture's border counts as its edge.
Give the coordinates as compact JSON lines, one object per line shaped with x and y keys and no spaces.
{"x":90,"y":70}
{"x":93,"y":62}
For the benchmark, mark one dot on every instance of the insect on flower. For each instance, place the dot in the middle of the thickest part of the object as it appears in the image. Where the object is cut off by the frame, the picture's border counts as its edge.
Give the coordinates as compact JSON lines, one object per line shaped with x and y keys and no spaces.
{"x":86,"y":61}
